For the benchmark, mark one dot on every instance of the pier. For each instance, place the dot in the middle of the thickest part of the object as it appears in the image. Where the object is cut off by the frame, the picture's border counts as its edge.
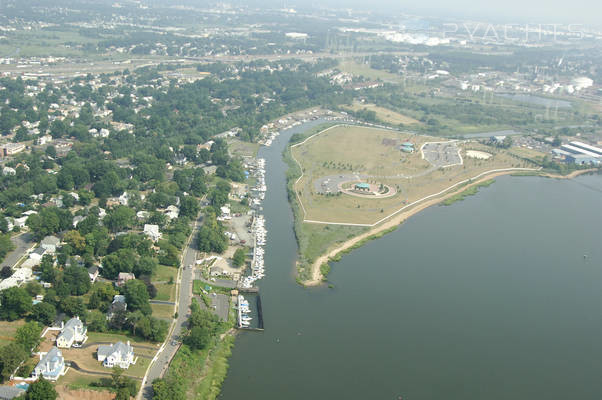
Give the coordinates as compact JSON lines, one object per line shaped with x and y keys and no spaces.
{"x":260,"y":326}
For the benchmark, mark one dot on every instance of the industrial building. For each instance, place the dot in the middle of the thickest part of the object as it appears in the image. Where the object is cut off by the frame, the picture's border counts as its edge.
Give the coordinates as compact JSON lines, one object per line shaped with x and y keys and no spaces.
{"x":579,"y":153}
{"x":587,"y":147}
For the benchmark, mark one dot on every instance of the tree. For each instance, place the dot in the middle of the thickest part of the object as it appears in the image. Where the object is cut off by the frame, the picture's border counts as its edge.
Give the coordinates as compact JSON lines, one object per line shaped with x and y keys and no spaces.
{"x":145,"y":266}
{"x":137,"y":296}
{"x":41,"y":390}
{"x":6,"y":272}
{"x":164,"y":389}
{"x":123,"y":260}
{"x":211,"y":236}
{"x":96,"y":321}
{"x":119,"y":218}
{"x":44,"y":313}
{"x":189,"y":206}
{"x":75,"y":240}
{"x":11,"y":356}
{"x":15,"y":303}
{"x":77,"y":279}
{"x":239,"y":257}
{"x":73,"y":306}
{"x":28,"y":335}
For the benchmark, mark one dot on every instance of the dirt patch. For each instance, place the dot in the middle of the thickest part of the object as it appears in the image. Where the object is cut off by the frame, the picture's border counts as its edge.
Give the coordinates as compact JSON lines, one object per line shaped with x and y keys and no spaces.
{"x":68,"y":394}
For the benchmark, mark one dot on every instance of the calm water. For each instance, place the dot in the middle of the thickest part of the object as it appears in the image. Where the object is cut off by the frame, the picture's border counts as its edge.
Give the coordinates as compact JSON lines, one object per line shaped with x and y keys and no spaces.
{"x":540,"y":101}
{"x":490,"y":298}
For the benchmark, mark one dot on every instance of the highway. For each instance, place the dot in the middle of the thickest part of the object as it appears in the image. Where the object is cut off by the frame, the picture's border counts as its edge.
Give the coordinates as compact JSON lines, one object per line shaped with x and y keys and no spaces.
{"x":184,"y":297}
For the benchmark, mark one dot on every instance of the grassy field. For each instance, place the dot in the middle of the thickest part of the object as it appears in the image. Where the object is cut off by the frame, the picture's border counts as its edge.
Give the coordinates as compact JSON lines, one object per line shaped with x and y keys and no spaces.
{"x":242,"y":149}
{"x":9,"y":328}
{"x":384,"y":114}
{"x":347,"y":150}
{"x":163,"y":273}
{"x":164,"y":311}
{"x":353,"y":67}
{"x":94,"y":337}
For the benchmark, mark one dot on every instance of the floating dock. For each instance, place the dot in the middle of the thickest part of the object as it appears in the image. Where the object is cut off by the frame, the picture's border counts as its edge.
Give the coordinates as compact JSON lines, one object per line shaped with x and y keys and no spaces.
{"x":259,"y":327}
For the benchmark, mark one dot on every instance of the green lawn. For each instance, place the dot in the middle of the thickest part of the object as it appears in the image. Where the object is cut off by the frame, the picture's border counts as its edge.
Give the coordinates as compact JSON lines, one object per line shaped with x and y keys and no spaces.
{"x":166,"y":292}
{"x":164,"y":311}
{"x":163,"y":273}
{"x":94,"y":337}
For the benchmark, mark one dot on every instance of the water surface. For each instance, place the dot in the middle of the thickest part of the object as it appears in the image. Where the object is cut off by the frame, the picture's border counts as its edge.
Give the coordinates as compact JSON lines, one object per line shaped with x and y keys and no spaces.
{"x":490,"y":298}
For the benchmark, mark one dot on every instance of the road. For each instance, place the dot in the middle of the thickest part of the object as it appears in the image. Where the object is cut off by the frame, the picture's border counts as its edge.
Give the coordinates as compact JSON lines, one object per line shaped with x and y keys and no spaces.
{"x":22,"y":244}
{"x":161,"y":361}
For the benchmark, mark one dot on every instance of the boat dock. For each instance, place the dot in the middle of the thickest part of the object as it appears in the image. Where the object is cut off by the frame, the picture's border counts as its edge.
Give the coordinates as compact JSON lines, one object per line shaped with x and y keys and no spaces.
{"x":241,"y":315}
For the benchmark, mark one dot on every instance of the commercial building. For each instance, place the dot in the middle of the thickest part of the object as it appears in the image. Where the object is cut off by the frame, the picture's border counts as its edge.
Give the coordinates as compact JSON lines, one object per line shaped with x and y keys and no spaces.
{"x":587,"y":147}
{"x":10,"y":149}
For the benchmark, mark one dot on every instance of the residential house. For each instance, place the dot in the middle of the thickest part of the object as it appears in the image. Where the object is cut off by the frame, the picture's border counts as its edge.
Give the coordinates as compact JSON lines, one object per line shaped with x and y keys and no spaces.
{"x":123,"y":277}
{"x":8,"y":171}
{"x":76,"y":220}
{"x":50,"y":243}
{"x":152,"y":231}
{"x":73,"y":331}
{"x":119,"y":354}
{"x":9,"y":223}
{"x":42,"y":140}
{"x":19,"y":276}
{"x":10,"y":392}
{"x":20,"y":222}
{"x":37,"y":254}
{"x":93,"y":272}
{"x":172,"y":212}
{"x":51,"y":365}
{"x":118,"y":305}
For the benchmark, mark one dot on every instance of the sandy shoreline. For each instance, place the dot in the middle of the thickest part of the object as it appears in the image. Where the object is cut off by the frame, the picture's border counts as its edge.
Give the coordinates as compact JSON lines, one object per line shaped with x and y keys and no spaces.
{"x":398,"y":219}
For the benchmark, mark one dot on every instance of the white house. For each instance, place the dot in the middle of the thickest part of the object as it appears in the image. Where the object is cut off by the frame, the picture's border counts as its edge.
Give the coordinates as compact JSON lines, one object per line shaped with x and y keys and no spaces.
{"x":152,"y":231}
{"x":37,"y":254}
{"x":8,"y":171}
{"x":73,"y":331}
{"x":51,"y":365}
{"x":118,"y":354}
{"x":20,"y":222}
{"x":93,"y":273}
{"x":20,"y":276}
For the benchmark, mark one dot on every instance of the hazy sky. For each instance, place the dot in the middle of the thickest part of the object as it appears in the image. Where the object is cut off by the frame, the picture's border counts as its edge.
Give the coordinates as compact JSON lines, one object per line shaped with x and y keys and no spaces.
{"x":519,"y":11}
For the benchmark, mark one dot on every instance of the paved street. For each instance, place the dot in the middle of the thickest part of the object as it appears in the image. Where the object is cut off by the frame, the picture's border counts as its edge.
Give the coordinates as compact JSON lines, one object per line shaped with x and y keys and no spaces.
{"x":172,"y":344}
{"x":22,"y":244}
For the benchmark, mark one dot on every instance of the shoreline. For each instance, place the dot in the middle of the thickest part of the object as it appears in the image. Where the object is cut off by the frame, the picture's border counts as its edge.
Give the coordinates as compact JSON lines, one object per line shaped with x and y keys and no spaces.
{"x":316,"y":275}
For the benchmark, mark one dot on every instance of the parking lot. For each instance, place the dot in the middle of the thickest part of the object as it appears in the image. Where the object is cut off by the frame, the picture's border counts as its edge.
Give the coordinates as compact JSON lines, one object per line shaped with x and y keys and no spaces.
{"x":442,"y":154}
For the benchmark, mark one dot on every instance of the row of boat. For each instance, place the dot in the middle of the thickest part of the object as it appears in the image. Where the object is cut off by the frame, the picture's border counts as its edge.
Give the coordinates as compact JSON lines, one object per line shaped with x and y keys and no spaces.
{"x":258,"y":229}
{"x":244,"y":320}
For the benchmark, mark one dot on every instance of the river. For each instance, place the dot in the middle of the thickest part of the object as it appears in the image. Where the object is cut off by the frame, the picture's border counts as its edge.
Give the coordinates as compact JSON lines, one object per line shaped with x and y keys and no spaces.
{"x":490,"y":298}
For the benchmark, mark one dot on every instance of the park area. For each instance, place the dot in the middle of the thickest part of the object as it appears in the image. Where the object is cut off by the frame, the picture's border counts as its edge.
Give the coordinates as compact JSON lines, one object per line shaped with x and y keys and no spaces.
{"x":384,"y":114}
{"x":344,"y":155}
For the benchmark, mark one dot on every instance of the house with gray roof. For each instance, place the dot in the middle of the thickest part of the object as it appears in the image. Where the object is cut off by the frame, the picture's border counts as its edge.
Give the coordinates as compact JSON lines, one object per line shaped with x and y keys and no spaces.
{"x":51,"y":365}
{"x":50,"y":243}
{"x":10,"y":392}
{"x":73,"y":332}
{"x":119,"y":354}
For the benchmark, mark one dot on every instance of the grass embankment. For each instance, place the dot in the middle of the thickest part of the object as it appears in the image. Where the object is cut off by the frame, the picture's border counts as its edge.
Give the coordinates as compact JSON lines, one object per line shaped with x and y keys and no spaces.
{"x":201,"y":372}
{"x":313,"y":240}
{"x":471,"y":191}
{"x":325,"y":268}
